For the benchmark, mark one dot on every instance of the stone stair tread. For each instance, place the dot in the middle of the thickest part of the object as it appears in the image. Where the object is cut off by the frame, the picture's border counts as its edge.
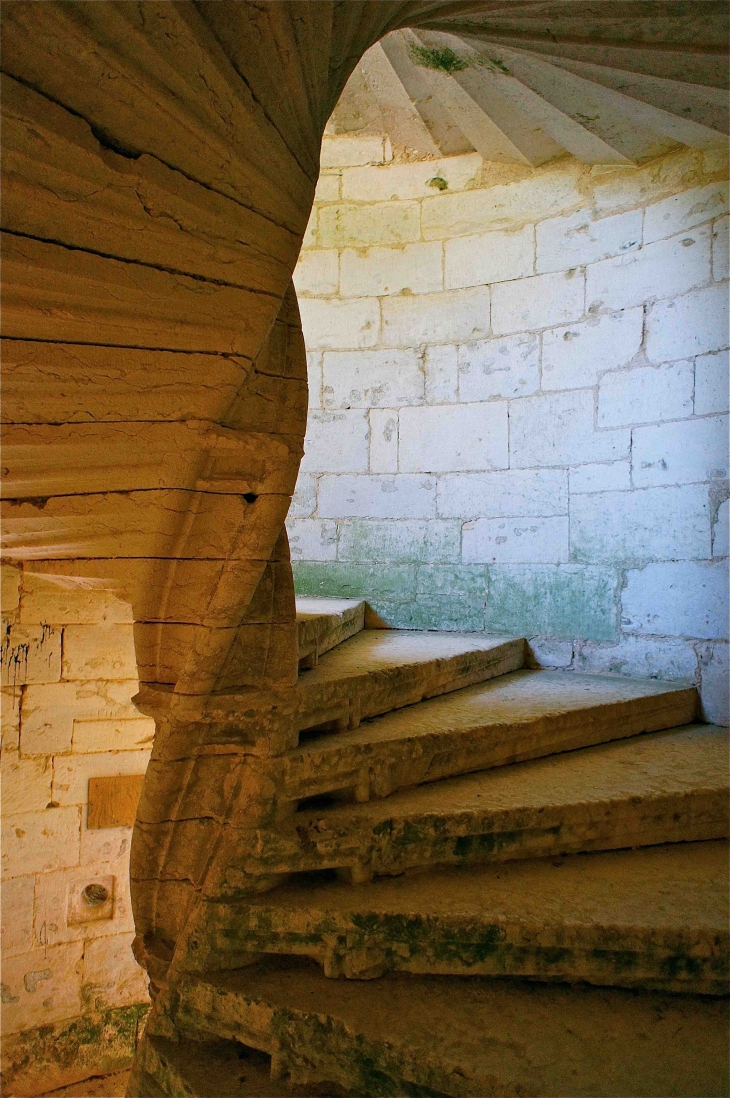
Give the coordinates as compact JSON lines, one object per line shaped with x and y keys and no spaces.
{"x":226,"y":1069}
{"x":466,"y":1037}
{"x":384,"y":669}
{"x":679,"y":761}
{"x":655,"y":917}
{"x":323,"y":623}
{"x":516,"y":715}
{"x":391,"y":649}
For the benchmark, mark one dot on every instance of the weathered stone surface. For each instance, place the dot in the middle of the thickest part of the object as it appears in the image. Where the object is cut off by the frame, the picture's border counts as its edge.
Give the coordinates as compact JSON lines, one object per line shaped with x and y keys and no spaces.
{"x":653,"y":918}
{"x":324,"y":623}
{"x":487,"y":1036}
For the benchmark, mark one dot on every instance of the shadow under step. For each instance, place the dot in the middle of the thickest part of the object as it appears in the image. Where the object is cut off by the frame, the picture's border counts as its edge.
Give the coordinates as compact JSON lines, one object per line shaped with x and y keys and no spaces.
{"x":444,"y":1035}
{"x":655,"y":918}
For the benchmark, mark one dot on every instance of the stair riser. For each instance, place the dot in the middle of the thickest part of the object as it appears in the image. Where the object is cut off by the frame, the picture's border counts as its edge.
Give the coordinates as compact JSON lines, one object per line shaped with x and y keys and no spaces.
{"x":356,"y":697}
{"x":631,"y":957}
{"x":527,"y":833}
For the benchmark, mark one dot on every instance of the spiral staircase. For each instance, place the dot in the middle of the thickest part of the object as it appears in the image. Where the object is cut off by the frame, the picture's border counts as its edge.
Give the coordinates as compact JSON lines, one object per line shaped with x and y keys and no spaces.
{"x":464,"y":878}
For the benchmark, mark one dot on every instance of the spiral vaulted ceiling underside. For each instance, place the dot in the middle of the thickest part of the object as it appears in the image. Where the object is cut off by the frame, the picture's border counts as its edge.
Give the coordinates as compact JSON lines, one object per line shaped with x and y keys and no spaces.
{"x":608,"y":82}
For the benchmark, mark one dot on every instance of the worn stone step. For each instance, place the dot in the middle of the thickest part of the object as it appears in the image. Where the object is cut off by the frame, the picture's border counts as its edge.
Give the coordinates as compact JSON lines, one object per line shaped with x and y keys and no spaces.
{"x":323,"y":623}
{"x":445,"y":1035}
{"x":653,"y":918}
{"x":659,"y":787}
{"x":513,"y":717}
{"x":384,"y":669}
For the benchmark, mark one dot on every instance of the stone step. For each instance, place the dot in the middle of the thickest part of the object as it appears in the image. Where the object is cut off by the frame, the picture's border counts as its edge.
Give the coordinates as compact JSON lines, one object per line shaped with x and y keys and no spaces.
{"x":324,"y":623}
{"x":515,"y":716}
{"x":656,"y":788}
{"x":654,"y":918}
{"x":383,"y":669}
{"x":444,"y":1035}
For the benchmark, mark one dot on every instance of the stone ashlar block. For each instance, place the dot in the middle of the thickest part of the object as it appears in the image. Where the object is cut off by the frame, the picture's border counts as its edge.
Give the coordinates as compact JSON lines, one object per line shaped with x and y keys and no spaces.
{"x":557,"y":429}
{"x":383,"y":440}
{"x":489,"y":257}
{"x":39,"y":842}
{"x":643,"y":525}
{"x":400,"y":542}
{"x":663,"y":269}
{"x":112,"y":735}
{"x":576,"y":356}
{"x":646,"y":394}
{"x":317,"y":273}
{"x":328,"y":187}
{"x":560,"y":601}
{"x":350,"y":580}
{"x":445,"y":613}
{"x":509,"y":493}
{"x":547,"y":653}
{"x":505,"y":368}
{"x":9,"y":590}
{"x":304,"y":500}
{"x":312,"y":539}
{"x":711,"y":383}
{"x":10,"y":717}
{"x":383,"y":223}
{"x":714,"y":683}
{"x":55,"y":890}
{"x":574,"y":241}
{"x":72,"y":772}
{"x":402,"y":496}
{"x":505,"y":205}
{"x":372,"y":379}
{"x":721,"y":530}
{"x":99,"y":652}
{"x":336,"y":442}
{"x":403,"y":181}
{"x":639,"y":657}
{"x":683,"y":211}
{"x":448,"y":317}
{"x":538,"y":302}
{"x":17,"y":915}
{"x":683,"y":452}
{"x":452,"y":439}
{"x":335,"y":324}
{"x":614,"y":476}
{"x":30,"y":654}
{"x":376,"y":272}
{"x":721,"y":249}
{"x":66,"y":600}
{"x":42,"y":986}
{"x":677,"y":599}
{"x":342,"y":152}
{"x":442,"y":374}
{"x":26,"y":783}
{"x":694,"y":324}
{"x":48,"y":712}
{"x":516,"y":541}
{"x":111,"y":976}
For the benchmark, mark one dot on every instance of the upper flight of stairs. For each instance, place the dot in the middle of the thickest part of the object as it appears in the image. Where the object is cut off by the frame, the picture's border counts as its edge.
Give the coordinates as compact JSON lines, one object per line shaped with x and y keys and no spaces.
{"x":492,"y":881}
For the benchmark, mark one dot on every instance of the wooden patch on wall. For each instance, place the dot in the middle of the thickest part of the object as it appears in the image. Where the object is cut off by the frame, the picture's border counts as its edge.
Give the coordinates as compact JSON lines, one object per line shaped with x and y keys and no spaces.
{"x":113,"y":801}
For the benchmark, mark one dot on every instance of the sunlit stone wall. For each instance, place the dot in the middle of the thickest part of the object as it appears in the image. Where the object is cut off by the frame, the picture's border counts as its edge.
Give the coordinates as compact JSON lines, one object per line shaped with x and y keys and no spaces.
{"x":518,"y":388}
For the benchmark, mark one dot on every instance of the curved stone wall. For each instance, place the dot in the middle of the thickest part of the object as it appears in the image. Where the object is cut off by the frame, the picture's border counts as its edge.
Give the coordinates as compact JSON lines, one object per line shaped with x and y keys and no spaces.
{"x":518,"y":381}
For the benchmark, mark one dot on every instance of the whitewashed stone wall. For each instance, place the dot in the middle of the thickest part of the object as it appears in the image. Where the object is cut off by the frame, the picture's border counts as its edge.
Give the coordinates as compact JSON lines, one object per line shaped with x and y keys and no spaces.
{"x":518,"y":394}
{"x":69,"y":674}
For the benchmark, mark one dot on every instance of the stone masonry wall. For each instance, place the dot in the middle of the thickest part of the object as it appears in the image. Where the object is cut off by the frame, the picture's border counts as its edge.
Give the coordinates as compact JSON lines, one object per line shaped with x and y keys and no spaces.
{"x":518,"y":388}
{"x":72,"y":992}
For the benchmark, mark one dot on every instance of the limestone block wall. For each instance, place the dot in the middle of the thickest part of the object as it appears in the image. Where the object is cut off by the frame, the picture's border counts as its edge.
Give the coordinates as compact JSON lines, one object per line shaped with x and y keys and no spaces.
{"x":518,"y":398}
{"x":72,"y":994}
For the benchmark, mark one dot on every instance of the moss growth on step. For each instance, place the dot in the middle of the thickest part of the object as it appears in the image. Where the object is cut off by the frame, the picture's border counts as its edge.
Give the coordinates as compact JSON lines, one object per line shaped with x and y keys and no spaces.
{"x":445,"y":60}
